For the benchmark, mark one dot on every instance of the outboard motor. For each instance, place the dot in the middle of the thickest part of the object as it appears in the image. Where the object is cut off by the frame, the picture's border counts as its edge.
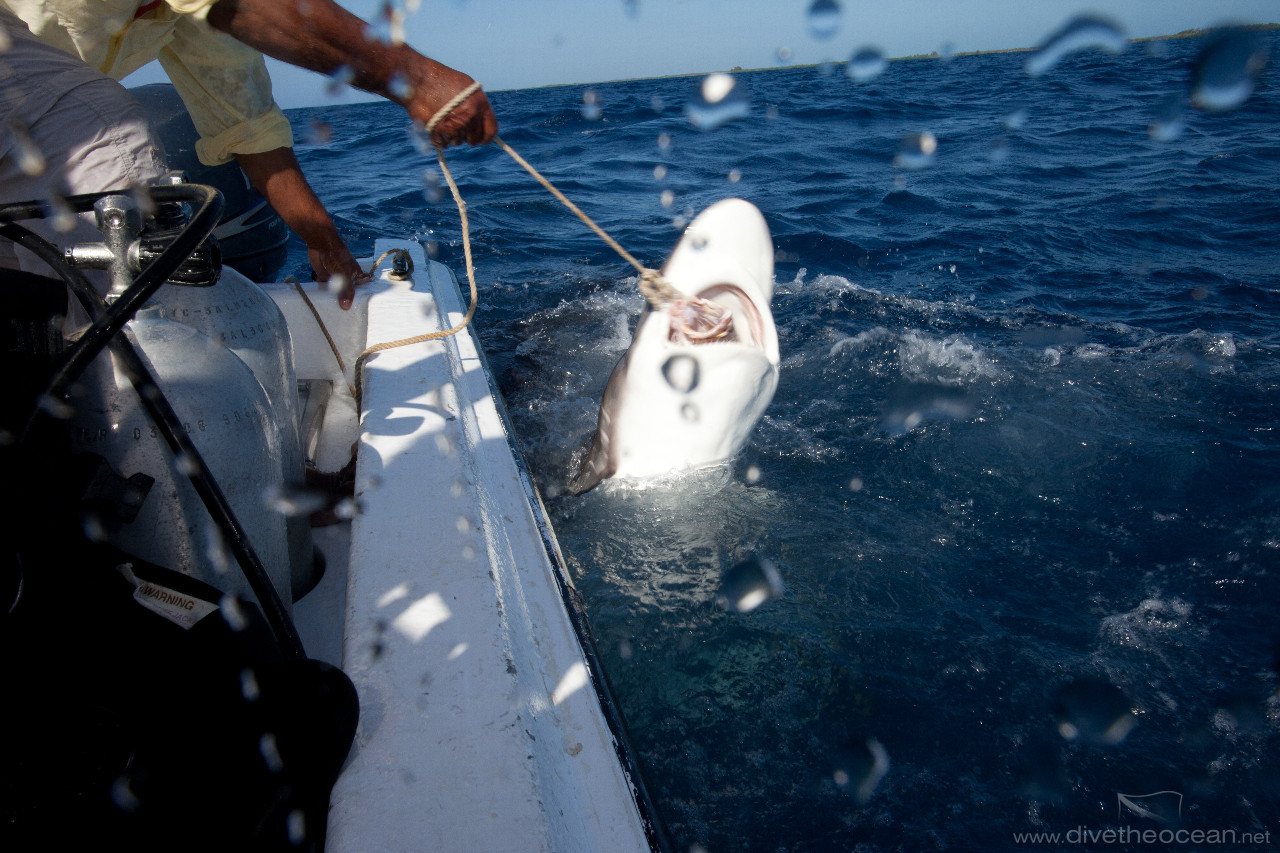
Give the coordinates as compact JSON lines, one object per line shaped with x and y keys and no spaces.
{"x":252,"y":236}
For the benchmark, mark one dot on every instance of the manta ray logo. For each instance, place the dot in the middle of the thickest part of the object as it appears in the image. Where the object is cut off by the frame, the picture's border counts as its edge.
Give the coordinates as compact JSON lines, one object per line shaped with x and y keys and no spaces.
{"x":1162,"y":806}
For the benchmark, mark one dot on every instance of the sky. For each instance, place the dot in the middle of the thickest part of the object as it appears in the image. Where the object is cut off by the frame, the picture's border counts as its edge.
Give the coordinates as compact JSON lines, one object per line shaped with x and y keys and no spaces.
{"x":516,"y":44}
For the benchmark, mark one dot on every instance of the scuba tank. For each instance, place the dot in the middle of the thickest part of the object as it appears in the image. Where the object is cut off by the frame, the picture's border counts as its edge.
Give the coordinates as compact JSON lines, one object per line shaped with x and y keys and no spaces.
{"x":235,"y":312}
{"x":226,"y":413}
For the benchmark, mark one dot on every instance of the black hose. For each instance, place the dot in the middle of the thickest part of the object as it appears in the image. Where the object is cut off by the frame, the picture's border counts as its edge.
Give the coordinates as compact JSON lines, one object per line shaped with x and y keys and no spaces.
{"x":108,"y":321}
{"x":158,"y":407}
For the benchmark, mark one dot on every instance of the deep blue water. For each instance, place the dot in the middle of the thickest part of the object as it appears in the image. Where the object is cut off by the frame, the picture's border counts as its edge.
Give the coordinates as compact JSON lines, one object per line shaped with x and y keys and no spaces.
{"x":1022,"y":465}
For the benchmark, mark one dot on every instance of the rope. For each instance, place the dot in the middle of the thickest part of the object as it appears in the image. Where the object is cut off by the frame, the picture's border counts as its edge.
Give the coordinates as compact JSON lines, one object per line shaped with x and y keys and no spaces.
{"x":358,"y":391}
{"x":333,"y":347}
{"x":655,"y":289}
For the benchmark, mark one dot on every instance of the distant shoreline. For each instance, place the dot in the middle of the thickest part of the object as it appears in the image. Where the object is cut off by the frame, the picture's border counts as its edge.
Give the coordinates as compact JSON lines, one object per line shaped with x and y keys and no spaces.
{"x":1192,"y":33}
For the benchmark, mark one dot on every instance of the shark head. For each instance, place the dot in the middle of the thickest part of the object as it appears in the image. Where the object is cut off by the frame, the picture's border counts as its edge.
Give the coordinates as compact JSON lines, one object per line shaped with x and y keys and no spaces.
{"x":700,"y":372}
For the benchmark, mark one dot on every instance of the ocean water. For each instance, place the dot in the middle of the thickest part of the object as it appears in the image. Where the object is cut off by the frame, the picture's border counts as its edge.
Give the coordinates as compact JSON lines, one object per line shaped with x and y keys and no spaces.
{"x":1021,"y":478}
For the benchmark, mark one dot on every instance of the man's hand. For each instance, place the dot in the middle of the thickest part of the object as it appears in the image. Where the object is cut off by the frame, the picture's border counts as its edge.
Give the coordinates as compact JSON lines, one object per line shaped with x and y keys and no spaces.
{"x":322,"y":36}
{"x":277,"y":175}
{"x":331,"y":261}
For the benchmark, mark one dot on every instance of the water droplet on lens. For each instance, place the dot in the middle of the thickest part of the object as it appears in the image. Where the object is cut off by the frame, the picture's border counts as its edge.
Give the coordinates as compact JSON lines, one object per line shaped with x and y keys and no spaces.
{"x":753,"y":474}
{"x":749,"y":584}
{"x":690,"y":413}
{"x":186,"y":464}
{"x":916,"y":151}
{"x":824,"y":19}
{"x":339,"y":80}
{"x":400,"y":86}
{"x":55,"y":407}
{"x":346,"y":509}
{"x":667,"y":198}
{"x":270,"y":752}
{"x":719,"y":101}
{"x":859,"y":768}
{"x":1081,"y":33}
{"x":681,"y":373}
{"x":659,"y":172}
{"x":784,"y":54}
{"x":27,"y":153}
{"x":1015,"y":119}
{"x":734,"y":176}
{"x":317,"y":133}
{"x":123,"y":797}
{"x":913,"y":403}
{"x":867,"y":63}
{"x":232,"y":614}
{"x":94,"y":529}
{"x":292,"y":501}
{"x":591,"y":109}
{"x":716,"y":87}
{"x":59,"y":213}
{"x":1094,"y":711}
{"x":296,"y":827}
{"x":1227,"y":68}
{"x":249,"y":685}
{"x":664,"y":141}
{"x":1168,"y":122}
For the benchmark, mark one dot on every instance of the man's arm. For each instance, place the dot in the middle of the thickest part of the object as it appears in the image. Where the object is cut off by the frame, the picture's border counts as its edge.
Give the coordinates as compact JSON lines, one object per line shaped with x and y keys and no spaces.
{"x":322,"y":36}
{"x":278,"y":177}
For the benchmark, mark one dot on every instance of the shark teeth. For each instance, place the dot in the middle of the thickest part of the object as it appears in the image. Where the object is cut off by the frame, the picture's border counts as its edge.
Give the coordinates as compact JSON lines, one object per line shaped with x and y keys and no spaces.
{"x":699,"y":321}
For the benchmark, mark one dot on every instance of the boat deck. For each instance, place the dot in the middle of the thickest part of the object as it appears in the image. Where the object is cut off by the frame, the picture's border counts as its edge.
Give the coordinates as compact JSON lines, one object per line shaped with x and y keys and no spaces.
{"x":481,"y":723}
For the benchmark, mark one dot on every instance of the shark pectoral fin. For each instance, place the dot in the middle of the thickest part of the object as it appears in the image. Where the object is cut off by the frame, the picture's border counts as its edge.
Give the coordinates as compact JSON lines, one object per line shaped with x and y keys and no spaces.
{"x":595,"y":467}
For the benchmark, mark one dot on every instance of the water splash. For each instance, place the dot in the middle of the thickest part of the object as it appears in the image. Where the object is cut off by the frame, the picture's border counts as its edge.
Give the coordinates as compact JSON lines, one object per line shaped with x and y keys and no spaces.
{"x":867,"y":63}
{"x":823,"y":19}
{"x":719,"y":101}
{"x":1227,"y":69}
{"x":750,"y":584}
{"x":916,"y":151}
{"x":1082,"y":33}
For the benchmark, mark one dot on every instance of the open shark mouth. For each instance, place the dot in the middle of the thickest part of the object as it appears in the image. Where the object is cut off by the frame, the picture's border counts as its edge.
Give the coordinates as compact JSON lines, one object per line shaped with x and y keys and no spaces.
{"x":719,"y":313}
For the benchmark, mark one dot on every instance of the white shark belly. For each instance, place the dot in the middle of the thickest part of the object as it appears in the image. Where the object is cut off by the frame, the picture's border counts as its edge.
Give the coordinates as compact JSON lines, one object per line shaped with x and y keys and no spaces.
{"x":700,"y":373}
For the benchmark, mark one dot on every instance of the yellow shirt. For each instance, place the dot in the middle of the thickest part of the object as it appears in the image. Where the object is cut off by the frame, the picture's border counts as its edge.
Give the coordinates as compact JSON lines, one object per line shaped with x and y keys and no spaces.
{"x":223,"y":83}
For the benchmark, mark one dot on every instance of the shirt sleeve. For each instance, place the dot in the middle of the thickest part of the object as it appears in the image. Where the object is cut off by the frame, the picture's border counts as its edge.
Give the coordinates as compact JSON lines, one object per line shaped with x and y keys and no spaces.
{"x":226,"y":89}
{"x":198,"y":8}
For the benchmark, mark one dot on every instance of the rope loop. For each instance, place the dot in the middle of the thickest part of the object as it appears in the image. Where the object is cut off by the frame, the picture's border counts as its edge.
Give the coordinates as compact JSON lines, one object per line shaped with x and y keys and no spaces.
{"x":657,"y":290}
{"x":402,"y":265}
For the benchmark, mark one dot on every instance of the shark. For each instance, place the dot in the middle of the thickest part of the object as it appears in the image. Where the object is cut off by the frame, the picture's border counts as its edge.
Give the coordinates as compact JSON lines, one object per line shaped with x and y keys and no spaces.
{"x":700,"y":371}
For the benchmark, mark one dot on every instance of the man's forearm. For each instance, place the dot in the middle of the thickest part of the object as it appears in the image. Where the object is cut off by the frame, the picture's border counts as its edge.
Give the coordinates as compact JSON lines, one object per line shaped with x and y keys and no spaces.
{"x":277,"y":175}
{"x":321,"y":36}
